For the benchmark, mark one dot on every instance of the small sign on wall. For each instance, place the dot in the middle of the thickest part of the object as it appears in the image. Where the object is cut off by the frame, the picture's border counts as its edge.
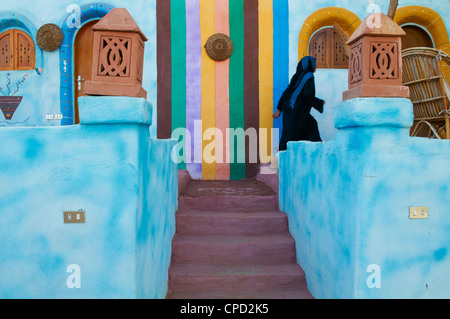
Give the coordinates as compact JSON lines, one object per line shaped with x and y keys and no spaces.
{"x":74,"y":217}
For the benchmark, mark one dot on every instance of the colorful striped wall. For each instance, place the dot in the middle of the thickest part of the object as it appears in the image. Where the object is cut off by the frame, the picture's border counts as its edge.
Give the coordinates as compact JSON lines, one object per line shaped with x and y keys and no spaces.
{"x":199,"y":98}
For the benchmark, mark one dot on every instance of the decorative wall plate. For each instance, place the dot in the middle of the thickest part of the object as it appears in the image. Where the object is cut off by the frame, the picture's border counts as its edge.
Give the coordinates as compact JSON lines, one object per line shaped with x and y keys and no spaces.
{"x":219,"y":47}
{"x":49,"y":37}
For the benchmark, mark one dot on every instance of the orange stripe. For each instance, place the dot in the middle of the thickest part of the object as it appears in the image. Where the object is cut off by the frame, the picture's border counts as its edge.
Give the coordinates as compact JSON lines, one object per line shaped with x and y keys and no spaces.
{"x":208,"y":111}
{"x":222,"y":95}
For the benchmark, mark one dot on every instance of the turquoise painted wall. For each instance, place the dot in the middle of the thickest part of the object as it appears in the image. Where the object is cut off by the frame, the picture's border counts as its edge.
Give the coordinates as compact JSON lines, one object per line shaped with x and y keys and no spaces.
{"x":109,"y":167}
{"x":348,"y":205}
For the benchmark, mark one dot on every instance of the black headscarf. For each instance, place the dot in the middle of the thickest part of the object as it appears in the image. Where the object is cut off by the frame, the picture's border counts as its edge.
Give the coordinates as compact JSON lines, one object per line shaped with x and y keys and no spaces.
{"x":305,"y":70}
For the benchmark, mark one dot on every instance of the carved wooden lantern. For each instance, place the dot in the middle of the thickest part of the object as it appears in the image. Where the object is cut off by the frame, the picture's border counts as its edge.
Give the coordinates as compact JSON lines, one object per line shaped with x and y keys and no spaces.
{"x":375,"y":63}
{"x":118,"y":56}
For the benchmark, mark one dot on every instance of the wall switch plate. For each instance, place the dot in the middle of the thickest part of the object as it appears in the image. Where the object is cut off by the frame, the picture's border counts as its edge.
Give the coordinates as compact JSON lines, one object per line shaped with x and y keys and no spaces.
{"x":75,"y":217}
{"x":418,"y":212}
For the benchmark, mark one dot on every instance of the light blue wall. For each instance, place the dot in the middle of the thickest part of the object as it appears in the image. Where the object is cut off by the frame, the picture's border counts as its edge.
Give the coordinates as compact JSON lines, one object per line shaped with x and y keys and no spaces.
{"x":124,"y":181}
{"x":348,"y":205}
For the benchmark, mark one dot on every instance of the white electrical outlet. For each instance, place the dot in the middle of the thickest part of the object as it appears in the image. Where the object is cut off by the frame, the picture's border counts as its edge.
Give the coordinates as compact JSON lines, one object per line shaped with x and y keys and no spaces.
{"x":418,"y":212}
{"x":49,"y":117}
{"x":58,"y":116}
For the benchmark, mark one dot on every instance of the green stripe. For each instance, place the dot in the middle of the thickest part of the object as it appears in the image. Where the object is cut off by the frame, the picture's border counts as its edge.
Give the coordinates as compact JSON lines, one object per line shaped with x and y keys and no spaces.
{"x":178,"y":45}
{"x":236,"y":16}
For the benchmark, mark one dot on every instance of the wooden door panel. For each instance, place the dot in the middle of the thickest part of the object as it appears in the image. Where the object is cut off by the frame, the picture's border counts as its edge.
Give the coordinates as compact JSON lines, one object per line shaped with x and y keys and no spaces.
{"x":339,"y":58}
{"x":24,"y":46}
{"x":83,"y":50}
{"x":6,"y":50}
{"x":326,"y":47}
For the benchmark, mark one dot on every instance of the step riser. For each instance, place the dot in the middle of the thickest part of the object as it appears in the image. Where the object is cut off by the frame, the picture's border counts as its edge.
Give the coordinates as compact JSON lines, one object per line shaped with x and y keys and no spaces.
{"x":267,"y":254}
{"x":232,"y":242}
{"x":236,"y":282}
{"x":232,"y":294}
{"x":210,"y":224}
{"x":229,"y":203}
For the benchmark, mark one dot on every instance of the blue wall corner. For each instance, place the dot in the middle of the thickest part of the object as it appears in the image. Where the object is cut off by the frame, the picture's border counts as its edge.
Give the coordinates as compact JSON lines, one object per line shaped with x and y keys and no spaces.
{"x":348,"y":202}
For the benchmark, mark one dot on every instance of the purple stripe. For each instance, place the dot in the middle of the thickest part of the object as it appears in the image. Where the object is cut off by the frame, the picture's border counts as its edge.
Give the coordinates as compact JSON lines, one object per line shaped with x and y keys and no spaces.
{"x":193,"y":83}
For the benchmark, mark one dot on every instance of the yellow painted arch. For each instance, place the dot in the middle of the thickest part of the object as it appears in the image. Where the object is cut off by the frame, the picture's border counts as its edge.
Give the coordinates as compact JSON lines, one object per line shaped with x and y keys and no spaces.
{"x":325,"y":17}
{"x":432,"y":22}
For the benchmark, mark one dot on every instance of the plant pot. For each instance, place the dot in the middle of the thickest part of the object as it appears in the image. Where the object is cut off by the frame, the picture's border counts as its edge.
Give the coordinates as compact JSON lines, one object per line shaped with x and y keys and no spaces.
{"x":9,"y":104}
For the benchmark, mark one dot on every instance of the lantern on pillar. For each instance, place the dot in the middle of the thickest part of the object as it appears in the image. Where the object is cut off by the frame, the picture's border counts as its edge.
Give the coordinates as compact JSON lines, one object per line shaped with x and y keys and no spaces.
{"x":118,"y":56}
{"x":375,"y":63}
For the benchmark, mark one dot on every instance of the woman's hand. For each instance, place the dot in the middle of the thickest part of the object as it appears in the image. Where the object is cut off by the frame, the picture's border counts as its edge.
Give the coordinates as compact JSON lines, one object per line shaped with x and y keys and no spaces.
{"x":276,"y":114}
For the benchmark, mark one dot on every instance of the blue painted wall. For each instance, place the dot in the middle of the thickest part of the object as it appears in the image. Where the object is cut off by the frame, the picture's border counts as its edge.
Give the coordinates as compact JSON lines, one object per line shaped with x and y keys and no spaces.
{"x":348,"y":205}
{"x":125,"y":182}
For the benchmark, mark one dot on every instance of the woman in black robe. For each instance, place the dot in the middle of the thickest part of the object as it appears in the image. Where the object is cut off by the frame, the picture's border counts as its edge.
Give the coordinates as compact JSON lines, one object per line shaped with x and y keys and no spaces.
{"x":296,"y":103}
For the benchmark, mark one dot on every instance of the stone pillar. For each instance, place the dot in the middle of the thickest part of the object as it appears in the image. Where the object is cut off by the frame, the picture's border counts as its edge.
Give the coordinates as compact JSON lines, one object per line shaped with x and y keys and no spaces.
{"x":375,"y":64}
{"x":118,"y":56}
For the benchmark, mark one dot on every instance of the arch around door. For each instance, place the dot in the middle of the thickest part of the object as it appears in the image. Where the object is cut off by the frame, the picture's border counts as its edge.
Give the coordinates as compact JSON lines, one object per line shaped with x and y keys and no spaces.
{"x":431,"y":21}
{"x":325,"y":17}
{"x":87,"y":13}
{"x":12,"y":20}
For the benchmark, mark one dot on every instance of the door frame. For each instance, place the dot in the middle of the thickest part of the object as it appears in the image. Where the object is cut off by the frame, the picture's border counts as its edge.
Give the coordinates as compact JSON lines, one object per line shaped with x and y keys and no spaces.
{"x":87,"y":13}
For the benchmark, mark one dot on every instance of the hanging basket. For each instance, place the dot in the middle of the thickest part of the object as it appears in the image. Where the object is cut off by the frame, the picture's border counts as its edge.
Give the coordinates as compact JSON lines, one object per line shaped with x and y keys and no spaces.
{"x":49,"y":37}
{"x":219,"y":47}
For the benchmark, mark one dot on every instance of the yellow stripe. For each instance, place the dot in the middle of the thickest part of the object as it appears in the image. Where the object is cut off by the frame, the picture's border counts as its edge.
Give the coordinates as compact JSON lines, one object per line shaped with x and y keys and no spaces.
{"x":208,"y":112}
{"x":265,"y":79}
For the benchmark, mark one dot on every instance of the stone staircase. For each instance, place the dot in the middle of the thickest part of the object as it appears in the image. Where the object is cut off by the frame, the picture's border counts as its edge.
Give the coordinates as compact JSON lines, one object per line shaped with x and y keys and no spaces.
{"x":232,"y":242}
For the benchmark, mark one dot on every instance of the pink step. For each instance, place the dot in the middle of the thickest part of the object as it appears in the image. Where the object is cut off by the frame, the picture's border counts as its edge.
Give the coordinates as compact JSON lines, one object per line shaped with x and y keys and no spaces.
{"x":250,"y":223}
{"x":197,"y":276}
{"x":227,"y":202}
{"x":292,"y":293}
{"x":247,"y":195}
{"x":228,"y":249}
{"x":232,"y":242}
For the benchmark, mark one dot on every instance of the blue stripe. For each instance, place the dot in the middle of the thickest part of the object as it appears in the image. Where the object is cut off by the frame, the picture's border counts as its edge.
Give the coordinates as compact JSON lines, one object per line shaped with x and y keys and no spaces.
{"x":280,"y":57}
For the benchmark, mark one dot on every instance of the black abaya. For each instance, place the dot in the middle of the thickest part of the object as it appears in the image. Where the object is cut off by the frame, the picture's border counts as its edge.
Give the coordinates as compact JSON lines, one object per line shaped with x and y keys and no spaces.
{"x":298,"y":123}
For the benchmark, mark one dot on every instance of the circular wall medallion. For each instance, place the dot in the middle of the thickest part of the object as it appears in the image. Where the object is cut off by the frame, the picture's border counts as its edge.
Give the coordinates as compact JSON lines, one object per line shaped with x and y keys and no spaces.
{"x":49,"y":37}
{"x":219,"y":47}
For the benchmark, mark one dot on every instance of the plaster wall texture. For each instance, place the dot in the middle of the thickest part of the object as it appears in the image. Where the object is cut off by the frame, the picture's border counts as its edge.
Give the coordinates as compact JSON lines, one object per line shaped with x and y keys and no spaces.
{"x":348,"y":205}
{"x":124,"y":181}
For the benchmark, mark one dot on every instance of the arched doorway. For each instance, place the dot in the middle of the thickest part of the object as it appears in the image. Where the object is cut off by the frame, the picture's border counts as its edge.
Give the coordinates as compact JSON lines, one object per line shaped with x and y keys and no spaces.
{"x":82,"y":53}
{"x":82,"y":14}
{"x":416,"y":37}
{"x":328,"y":49}
{"x":431,"y":23}
{"x":345,"y":20}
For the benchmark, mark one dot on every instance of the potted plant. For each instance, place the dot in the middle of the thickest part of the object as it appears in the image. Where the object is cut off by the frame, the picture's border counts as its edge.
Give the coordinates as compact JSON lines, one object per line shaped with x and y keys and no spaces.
{"x":8,"y":101}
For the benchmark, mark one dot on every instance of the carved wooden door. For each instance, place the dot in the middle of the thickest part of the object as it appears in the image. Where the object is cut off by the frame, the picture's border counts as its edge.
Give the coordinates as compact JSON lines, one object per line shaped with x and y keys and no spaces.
{"x":83,"y":55}
{"x":327,"y":48}
{"x":17,"y":51}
